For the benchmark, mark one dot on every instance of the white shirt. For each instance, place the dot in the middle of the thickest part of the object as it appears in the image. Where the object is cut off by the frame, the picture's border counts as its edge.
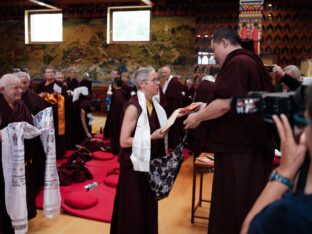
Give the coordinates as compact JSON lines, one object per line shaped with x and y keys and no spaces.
{"x":166,"y":84}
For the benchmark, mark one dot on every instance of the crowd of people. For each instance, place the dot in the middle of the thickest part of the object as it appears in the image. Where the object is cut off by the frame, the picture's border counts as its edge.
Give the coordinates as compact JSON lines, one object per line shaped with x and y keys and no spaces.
{"x":247,"y":197}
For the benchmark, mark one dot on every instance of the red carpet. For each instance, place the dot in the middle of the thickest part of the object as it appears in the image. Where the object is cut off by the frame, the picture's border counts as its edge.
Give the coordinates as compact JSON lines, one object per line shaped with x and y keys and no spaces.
{"x":97,"y":204}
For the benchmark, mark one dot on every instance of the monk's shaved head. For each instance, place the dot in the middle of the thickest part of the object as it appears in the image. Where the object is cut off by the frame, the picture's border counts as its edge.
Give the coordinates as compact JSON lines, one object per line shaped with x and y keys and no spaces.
{"x":7,"y":79}
{"x":11,"y":88}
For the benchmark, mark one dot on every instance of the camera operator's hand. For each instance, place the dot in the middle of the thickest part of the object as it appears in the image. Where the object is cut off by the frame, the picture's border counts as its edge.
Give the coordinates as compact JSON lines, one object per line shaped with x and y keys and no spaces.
{"x":292,"y":153}
{"x":277,"y":70}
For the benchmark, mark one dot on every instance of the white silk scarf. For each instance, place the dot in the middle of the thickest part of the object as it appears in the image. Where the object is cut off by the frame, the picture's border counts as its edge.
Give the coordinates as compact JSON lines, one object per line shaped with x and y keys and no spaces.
{"x":13,"y":161}
{"x":141,"y":145}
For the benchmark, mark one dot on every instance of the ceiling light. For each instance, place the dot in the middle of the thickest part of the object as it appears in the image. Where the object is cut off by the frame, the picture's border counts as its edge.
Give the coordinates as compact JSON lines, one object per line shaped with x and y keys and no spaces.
{"x":44,"y":4}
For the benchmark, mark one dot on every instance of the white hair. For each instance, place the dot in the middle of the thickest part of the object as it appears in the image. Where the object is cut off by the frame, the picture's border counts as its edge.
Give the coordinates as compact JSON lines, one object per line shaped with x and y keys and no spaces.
{"x":72,"y":68}
{"x":86,"y":75}
{"x":4,"y":80}
{"x":141,"y":74}
{"x":293,"y":71}
{"x":189,"y":81}
{"x":22,"y":74}
{"x":59,"y":73}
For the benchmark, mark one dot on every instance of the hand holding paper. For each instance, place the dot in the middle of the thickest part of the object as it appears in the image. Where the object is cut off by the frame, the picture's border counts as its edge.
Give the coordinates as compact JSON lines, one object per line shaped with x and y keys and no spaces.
{"x":180,"y":112}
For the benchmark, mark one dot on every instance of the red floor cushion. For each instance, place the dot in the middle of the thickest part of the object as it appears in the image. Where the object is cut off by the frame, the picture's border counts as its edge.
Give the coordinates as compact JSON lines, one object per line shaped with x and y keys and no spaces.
{"x":111,"y":180}
{"x":80,"y":200}
{"x":100,"y":155}
{"x":68,"y":153}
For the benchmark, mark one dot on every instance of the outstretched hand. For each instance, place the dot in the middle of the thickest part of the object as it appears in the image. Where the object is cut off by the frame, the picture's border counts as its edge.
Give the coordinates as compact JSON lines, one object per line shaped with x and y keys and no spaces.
{"x":292,"y":153}
{"x":191,"y":121}
{"x":158,"y":134}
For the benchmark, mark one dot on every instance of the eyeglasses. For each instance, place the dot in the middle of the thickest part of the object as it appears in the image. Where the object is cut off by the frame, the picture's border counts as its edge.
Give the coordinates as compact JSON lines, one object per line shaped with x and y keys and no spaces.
{"x":155,"y":81}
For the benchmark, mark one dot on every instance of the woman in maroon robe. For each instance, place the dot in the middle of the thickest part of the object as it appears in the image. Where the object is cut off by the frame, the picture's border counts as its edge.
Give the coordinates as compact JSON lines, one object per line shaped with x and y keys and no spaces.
{"x":14,"y":110}
{"x":135,"y":206}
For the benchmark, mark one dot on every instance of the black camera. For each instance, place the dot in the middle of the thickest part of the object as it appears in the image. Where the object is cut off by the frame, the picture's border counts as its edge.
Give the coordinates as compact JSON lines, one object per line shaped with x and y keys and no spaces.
{"x":269,"y":68}
{"x":267,"y":104}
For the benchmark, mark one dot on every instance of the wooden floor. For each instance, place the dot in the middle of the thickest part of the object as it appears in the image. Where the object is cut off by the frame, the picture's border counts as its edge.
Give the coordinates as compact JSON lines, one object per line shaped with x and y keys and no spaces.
{"x":174,"y":212}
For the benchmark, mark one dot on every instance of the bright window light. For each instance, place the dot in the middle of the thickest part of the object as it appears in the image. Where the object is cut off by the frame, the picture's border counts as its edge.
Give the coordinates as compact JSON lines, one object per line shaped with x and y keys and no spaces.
{"x":43,"y":26}
{"x":128,"y":24}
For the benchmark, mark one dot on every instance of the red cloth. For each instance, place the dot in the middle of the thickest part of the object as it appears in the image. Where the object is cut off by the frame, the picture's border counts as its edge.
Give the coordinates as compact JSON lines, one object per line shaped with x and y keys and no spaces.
{"x":81,"y":200}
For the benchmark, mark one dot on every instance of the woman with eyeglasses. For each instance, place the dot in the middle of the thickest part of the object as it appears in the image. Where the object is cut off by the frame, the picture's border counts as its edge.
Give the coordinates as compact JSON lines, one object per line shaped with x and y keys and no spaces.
{"x":278,"y":209}
{"x":141,"y":138}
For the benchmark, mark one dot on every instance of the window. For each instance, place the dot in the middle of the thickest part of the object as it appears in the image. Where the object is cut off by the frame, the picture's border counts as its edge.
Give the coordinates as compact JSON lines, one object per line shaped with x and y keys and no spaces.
{"x":204,"y":58}
{"x":43,"y":26}
{"x":128,"y":24}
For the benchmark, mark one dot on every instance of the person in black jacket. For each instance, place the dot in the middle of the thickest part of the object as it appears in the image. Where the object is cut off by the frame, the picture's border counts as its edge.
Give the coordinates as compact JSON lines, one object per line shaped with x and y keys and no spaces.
{"x":290,"y":77}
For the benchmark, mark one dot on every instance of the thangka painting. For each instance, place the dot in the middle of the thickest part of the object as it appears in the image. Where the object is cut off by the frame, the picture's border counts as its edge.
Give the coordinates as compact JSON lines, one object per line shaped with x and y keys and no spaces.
{"x":250,"y":21}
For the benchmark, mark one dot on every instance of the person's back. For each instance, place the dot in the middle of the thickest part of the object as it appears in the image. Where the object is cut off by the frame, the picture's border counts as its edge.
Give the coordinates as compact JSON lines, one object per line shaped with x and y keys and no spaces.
{"x":291,"y":214}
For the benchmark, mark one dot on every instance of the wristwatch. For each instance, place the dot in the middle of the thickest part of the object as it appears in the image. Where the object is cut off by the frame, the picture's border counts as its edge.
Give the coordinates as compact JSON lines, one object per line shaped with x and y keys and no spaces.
{"x":275,"y":176}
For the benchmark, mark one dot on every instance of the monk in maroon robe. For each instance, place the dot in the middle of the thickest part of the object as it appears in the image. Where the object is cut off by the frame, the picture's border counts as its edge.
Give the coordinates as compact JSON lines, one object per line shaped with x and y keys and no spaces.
{"x":174,"y":92}
{"x":14,"y":110}
{"x":45,"y":90}
{"x":35,"y":104}
{"x":119,"y":99}
{"x":198,"y":136}
{"x":242,"y":144}
{"x":189,"y":92}
{"x":86,"y":82}
{"x":135,"y":205}
{"x":71,"y":81}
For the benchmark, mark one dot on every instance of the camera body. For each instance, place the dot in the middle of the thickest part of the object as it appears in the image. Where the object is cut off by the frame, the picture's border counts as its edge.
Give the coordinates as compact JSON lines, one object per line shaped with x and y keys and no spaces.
{"x":267,"y":104}
{"x":269,"y":68}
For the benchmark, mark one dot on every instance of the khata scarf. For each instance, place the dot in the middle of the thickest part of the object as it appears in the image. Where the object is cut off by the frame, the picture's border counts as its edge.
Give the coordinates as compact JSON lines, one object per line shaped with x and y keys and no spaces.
{"x":13,"y":161}
{"x":141,"y":145}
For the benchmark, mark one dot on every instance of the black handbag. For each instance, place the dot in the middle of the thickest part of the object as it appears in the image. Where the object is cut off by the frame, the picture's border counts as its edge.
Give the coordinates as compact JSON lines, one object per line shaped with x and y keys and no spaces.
{"x":164,"y":171}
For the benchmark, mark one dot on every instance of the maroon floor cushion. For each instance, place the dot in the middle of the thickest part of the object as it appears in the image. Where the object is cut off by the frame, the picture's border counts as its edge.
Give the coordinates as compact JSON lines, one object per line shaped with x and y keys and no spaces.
{"x":101,"y":155}
{"x":81,"y":200}
{"x":111,"y":180}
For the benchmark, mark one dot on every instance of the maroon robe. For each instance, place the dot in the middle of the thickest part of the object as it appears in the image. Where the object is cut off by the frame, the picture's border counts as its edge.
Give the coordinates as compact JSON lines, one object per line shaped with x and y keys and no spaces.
{"x":174,"y":100}
{"x":198,"y":136}
{"x":119,"y":99}
{"x":135,"y":206}
{"x":19,"y":114}
{"x":33,"y":101}
{"x":86,"y":83}
{"x":35,"y":104}
{"x":189,"y":96}
{"x":79,"y":135}
{"x":242,"y":145}
{"x":71,"y":84}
